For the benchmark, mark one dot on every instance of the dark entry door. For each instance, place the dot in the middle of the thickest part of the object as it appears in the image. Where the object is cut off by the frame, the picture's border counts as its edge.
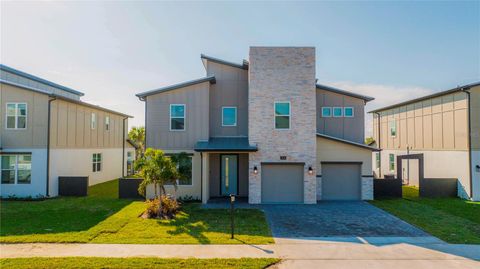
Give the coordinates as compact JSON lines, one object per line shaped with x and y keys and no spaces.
{"x":229,"y":174}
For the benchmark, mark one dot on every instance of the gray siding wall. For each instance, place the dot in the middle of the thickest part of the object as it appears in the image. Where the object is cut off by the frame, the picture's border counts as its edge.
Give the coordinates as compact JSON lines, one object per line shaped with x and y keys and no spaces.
{"x":196,"y":100}
{"x":352,"y":129}
{"x":231,"y":89}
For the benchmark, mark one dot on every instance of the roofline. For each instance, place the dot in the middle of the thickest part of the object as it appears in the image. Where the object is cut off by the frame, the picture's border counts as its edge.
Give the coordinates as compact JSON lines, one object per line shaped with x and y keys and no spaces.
{"x":339,"y":91}
{"x":64,"y":98}
{"x":243,"y":65}
{"x":41,"y":80}
{"x":348,"y":142}
{"x":142,"y":95}
{"x":225,"y":150}
{"x":437,"y":94}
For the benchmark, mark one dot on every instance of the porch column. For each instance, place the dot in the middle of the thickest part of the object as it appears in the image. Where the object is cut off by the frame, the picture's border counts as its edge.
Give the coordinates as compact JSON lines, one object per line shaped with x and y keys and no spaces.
{"x":205,"y":177}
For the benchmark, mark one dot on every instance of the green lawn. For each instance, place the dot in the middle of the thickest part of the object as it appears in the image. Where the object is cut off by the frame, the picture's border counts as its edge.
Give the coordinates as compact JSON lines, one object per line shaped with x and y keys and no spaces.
{"x":89,"y":262}
{"x":451,"y":219}
{"x":103,"y":218}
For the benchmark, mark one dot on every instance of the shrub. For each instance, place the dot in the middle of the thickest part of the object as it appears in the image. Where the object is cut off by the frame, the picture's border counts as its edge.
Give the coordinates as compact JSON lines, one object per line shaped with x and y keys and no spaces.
{"x":169,"y":208}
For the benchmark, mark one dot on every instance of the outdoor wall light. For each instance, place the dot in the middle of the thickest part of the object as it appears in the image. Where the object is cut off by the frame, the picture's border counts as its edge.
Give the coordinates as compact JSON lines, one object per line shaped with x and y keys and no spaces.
{"x":255,"y":170}
{"x":478,"y":168}
{"x":310,"y":170}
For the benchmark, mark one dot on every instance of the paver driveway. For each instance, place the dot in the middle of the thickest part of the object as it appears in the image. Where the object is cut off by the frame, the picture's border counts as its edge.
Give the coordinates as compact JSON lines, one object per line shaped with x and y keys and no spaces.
{"x":342,"y":219}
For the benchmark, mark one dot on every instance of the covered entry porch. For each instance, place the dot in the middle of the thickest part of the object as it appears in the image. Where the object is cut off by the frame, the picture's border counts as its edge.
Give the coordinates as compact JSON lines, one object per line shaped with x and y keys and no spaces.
{"x":225,"y":168}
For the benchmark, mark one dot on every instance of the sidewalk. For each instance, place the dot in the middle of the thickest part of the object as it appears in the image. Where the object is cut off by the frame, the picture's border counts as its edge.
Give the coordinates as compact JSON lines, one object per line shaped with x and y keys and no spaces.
{"x":295,"y":253}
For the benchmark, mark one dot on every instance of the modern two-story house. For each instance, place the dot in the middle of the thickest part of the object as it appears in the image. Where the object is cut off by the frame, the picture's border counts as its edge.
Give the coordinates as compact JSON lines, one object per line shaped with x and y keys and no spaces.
{"x":264,"y":129}
{"x":46,"y":132}
{"x":438,"y":134}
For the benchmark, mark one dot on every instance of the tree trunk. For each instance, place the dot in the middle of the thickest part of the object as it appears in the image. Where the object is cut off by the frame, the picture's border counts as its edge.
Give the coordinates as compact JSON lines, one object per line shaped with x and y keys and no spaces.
{"x":159,"y":213}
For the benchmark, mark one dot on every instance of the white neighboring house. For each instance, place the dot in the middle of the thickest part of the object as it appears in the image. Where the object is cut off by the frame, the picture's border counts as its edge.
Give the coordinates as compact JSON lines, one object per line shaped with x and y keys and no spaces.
{"x":47,"y":131}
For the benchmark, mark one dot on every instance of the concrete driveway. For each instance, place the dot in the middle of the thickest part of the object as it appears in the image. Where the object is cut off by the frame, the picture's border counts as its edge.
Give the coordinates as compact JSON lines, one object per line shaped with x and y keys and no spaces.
{"x":336,"y":219}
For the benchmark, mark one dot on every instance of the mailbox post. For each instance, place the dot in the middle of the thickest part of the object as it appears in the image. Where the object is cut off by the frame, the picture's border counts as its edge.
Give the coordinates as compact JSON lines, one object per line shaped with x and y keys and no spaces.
{"x":232,"y":220}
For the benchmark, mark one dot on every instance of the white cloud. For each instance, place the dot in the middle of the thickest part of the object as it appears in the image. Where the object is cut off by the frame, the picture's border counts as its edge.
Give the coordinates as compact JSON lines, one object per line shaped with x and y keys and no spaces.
{"x":384,"y":95}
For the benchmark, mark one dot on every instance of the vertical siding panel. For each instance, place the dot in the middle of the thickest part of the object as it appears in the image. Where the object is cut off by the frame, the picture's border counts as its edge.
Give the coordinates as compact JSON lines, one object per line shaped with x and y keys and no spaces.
{"x":80,"y":123}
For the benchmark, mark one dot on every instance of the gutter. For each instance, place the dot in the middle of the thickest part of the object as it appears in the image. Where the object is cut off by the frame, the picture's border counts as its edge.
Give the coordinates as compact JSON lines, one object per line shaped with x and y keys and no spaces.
{"x":469,"y":120}
{"x":379,"y":146}
{"x":47,"y":187}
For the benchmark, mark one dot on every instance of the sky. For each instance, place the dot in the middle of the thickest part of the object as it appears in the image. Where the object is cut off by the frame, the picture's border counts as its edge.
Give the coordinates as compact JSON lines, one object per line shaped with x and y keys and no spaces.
{"x":393,"y":51}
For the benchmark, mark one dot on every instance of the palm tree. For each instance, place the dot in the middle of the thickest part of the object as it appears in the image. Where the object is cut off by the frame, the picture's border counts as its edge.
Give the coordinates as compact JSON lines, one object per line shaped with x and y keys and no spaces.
{"x":156,"y":169}
{"x":137,"y":135}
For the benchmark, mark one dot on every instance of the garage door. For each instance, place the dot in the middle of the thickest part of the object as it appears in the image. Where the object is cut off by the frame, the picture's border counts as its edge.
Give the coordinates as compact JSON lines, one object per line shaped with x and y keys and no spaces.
{"x":341,"y":181}
{"x":282,"y":183}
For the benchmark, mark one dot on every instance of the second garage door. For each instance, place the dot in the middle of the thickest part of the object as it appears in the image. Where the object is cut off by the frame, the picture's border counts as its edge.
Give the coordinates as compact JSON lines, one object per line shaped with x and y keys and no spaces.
{"x":282,"y":183}
{"x":341,"y":181}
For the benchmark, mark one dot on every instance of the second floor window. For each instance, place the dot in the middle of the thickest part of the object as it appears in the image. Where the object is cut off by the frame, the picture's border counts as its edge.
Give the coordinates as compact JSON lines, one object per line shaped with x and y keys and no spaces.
{"x":177,"y":117}
{"x":348,"y":112}
{"x":107,"y":123}
{"x":338,"y":112}
{"x":393,"y":128}
{"x":16,"y":116}
{"x":282,"y":115}
{"x":229,"y":116}
{"x":94,"y":121}
{"x":326,"y":112}
{"x":97,"y":162}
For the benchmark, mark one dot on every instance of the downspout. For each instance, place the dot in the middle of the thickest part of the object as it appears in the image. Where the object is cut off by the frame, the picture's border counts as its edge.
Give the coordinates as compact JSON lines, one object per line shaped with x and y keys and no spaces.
{"x":469,"y":122}
{"x":123,"y":148}
{"x":201,"y":176}
{"x":47,"y":187}
{"x":379,"y":146}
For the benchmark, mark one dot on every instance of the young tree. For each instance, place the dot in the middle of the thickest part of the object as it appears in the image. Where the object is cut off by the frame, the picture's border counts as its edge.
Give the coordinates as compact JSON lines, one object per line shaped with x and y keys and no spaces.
{"x":137,"y":135}
{"x":156,"y":169}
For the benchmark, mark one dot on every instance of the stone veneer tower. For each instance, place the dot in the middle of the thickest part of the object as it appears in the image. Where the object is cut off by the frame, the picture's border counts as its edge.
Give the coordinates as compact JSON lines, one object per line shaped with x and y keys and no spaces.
{"x":282,"y":74}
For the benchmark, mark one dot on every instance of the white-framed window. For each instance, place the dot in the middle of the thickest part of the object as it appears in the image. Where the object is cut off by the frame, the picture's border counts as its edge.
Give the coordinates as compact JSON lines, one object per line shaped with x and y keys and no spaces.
{"x":377,"y":160}
{"x":97,"y":162}
{"x":326,"y":112}
{"x":130,"y":159}
{"x":391,"y":166}
{"x":186,"y":170}
{"x":16,"y":116}
{"x":93,"y":122}
{"x":177,"y":117}
{"x":16,"y":169}
{"x":337,"y":112}
{"x":229,"y":116}
{"x":393,"y":128}
{"x":348,"y":112}
{"x":282,"y":115}
{"x":107,"y":123}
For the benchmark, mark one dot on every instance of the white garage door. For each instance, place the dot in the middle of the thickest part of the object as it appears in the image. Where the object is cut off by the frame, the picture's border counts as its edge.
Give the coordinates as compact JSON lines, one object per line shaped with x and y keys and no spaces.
{"x":341,"y":181}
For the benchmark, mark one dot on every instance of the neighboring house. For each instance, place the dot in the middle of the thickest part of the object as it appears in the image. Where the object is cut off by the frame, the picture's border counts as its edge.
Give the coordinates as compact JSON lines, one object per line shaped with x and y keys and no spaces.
{"x":47,"y":132}
{"x":264,"y":129}
{"x":434,"y":128}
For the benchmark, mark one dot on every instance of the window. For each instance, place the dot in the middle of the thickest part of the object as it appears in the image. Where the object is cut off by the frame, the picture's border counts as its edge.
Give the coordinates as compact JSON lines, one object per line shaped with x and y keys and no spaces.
{"x":392,"y":162}
{"x":348,"y":112}
{"x":229,"y":116}
{"x":16,"y":116}
{"x":177,"y":117}
{"x":16,"y":169}
{"x":97,"y":162}
{"x":282,"y":115}
{"x":337,"y":112}
{"x":107,"y":123}
{"x":377,"y":159}
{"x":326,"y":112}
{"x":185,"y":168}
{"x":94,"y":121}
{"x":130,"y":170}
{"x":393,"y":128}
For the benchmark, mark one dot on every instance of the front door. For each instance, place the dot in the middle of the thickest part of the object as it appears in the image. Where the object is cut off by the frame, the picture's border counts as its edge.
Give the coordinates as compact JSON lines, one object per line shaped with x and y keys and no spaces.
{"x":229,"y":174}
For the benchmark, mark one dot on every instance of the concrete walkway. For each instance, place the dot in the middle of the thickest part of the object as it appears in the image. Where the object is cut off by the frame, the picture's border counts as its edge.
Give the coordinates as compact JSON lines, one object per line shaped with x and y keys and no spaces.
{"x":298,"y":253}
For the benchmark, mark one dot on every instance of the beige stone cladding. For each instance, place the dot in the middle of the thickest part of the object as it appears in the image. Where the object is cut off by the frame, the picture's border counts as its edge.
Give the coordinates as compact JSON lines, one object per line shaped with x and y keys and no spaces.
{"x":282,"y":74}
